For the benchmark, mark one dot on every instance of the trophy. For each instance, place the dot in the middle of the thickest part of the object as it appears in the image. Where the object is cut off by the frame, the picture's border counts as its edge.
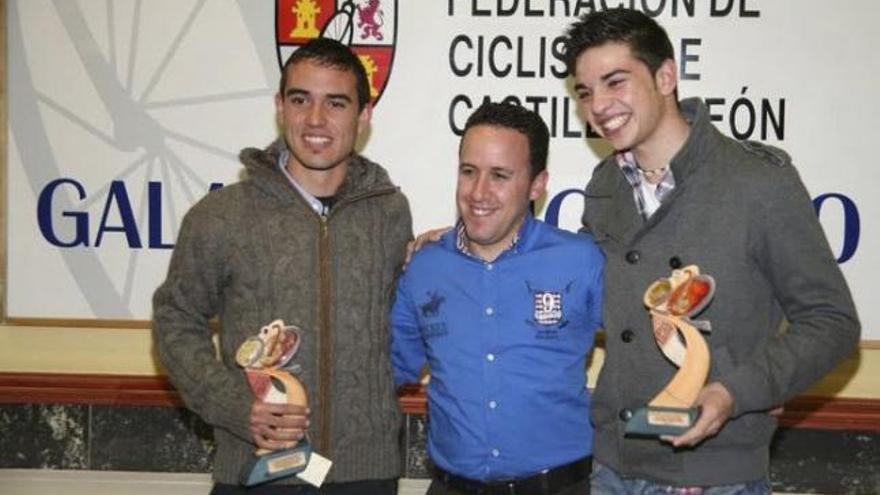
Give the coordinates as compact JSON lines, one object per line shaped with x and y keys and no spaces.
{"x":672,"y":302}
{"x":263,"y":358}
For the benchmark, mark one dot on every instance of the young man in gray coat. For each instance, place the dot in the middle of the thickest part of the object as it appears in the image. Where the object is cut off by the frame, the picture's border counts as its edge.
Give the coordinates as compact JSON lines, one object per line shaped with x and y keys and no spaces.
{"x":677,"y":192}
{"x":314,"y":236}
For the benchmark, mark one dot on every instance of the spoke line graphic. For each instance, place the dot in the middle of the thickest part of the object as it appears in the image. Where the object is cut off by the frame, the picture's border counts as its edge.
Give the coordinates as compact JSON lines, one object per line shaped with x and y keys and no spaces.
{"x":144,"y":136}
{"x":132,"y":45}
{"x":172,"y":49}
{"x":72,"y":117}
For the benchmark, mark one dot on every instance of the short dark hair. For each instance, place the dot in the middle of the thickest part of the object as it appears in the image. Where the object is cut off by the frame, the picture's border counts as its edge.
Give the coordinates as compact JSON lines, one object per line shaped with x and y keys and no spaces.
{"x":646,"y":38}
{"x":328,"y":52}
{"x":522,"y":120}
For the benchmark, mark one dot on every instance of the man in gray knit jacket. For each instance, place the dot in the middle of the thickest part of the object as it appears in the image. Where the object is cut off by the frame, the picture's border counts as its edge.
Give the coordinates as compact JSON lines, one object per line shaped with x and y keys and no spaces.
{"x":314,"y":236}
{"x":677,"y":192}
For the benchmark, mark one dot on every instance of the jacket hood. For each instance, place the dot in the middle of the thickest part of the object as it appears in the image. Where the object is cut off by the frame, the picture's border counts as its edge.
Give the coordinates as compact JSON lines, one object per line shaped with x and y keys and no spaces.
{"x":363,"y":176}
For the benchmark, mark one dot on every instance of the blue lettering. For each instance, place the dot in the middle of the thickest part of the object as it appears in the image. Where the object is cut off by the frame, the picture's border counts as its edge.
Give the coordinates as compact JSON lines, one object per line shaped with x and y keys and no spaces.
{"x":117,"y":201}
{"x":851,"y":223}
{"x":44,"y":215}
{"x":551,"y":216}
{"x":119,"y":195}
{"x":154,"y":215}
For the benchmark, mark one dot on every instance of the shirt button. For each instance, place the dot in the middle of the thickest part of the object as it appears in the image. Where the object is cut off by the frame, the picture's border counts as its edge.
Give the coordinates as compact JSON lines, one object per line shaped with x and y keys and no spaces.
{"x":490,"y":357}
{"x":627,"y":335}
{"x":632,"y":257}
{"x":490,"y":311}
{"x":675,"y":262}
{"x":495,"y":452}
{"x":492,"y":404}
{"x":489,"y":266}
{"x":625,"y":414}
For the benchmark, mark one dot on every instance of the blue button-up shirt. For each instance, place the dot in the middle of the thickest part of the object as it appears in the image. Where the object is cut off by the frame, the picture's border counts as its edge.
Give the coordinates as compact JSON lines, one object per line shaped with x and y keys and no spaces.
{"x":507,"y":343}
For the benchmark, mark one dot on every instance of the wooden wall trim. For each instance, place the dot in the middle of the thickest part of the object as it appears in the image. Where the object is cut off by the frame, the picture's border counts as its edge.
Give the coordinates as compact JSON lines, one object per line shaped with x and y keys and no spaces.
{"x":827,"y":413}
{"x":63,"y":388}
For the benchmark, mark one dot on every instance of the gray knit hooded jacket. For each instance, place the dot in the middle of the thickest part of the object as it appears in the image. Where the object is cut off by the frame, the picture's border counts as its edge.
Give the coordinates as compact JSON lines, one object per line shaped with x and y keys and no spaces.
{"x":255,"y":251}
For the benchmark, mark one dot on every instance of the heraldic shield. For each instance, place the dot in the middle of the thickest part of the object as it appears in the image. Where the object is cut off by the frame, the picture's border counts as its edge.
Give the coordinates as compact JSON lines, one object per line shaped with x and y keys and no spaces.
{"x":369,"y":27}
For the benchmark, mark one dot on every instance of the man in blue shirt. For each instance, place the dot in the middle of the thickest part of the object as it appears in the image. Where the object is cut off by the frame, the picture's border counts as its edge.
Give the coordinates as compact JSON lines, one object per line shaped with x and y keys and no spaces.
{"x":503,"y":309}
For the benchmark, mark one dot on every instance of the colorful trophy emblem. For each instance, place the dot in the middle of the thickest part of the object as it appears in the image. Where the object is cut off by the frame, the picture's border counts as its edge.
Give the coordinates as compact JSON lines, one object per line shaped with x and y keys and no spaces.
{"x":672,"y":303}
{"x":263,"y":358}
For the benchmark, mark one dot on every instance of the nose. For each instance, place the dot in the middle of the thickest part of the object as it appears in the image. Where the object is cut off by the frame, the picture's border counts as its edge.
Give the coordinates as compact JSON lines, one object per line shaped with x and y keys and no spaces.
{"x":480,"y":187}
{"x":599,"y":102}
{"x":315,"y":115}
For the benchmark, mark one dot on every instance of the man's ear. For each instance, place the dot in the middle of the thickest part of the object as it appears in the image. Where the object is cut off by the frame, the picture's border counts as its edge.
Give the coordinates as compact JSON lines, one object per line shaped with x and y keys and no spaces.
{"x":539,"y":185}
{"x":666,"y":77}
{"x":364,"y":118}
{"x":279,"y":110}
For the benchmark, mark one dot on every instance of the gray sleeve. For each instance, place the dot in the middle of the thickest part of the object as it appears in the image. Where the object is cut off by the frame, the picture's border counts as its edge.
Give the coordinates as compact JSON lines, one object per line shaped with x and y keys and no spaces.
{"x":790,"y":248}
{"x":398,"y":228}
{"x":182,"y":308}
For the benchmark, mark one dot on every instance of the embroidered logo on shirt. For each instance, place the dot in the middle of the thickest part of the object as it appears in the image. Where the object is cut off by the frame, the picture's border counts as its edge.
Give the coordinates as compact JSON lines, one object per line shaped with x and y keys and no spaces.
{"x":430,"y":310}
{"x":548,"y":307}
{"x":432,"y":307}
{"x":549,"y":315}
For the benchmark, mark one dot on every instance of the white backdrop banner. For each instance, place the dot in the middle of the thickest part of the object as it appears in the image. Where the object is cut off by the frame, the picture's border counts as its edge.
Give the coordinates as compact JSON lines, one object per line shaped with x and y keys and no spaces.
{"x":124,"y":113}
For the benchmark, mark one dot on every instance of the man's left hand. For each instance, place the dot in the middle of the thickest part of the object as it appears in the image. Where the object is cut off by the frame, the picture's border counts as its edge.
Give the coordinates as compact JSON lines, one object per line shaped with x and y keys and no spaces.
{"x":717,"y":406}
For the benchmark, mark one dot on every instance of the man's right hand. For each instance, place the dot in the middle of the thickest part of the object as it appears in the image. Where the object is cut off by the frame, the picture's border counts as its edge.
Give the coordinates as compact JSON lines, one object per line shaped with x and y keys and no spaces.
{"x":422,"y":239}
{"x":278,"y":426}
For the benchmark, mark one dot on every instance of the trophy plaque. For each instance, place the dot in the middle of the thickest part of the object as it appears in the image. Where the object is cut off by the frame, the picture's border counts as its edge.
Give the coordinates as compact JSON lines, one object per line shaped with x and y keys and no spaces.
{"x":672,"y":303}
{"x":263,"y":358}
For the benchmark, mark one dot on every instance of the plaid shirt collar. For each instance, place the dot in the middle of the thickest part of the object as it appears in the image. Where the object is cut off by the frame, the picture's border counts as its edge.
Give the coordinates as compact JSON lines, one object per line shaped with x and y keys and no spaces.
{"x":627,"y":163}
{"x":462,"y":244}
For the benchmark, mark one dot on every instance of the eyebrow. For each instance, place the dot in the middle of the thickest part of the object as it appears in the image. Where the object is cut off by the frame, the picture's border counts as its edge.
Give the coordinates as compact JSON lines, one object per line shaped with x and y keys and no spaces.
{"x":604,"y":77}
{"x":509,"y":170}
{"x":614,"y":73}
{"x":332,"y":96}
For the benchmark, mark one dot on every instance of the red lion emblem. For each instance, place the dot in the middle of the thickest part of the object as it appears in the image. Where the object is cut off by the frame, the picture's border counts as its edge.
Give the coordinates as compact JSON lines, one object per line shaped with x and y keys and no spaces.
{"x":367,"y":20}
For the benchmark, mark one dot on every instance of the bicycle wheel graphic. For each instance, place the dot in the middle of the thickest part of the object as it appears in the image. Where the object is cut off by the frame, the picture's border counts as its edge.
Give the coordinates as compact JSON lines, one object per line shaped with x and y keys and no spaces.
{"x":135,"y":102}
{"x":340,"y":26}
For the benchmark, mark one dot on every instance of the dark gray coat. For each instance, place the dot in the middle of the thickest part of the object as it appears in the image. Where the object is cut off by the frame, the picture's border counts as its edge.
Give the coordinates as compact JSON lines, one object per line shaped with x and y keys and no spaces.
{"x":255,"y":251}
{"x":740,"y":212}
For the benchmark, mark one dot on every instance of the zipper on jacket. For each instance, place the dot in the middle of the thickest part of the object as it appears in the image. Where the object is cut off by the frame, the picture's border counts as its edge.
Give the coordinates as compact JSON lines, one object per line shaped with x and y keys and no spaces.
{"x":325,"y":355}
{"x":325,"y":339}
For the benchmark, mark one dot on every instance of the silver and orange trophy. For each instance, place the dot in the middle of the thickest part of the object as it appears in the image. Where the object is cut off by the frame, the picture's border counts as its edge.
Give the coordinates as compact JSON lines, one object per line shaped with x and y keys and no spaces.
{"x":673,"y":302}
{"x":264,"y":358}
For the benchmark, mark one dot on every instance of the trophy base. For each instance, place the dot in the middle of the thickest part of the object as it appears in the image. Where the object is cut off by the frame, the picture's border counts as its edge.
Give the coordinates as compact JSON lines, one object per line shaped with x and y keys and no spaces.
{"x":276,"y":465}
{"x":654,"y":421}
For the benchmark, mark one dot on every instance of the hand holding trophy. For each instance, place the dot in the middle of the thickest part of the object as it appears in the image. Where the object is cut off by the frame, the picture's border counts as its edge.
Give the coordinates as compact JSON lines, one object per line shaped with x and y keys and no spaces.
{"x":263,"y":358}
{"x":672,"y":302}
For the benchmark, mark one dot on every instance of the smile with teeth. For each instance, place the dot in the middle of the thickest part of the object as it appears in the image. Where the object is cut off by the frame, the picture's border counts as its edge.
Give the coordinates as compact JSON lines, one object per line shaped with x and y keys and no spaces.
{"x":614,"y":123}
{"x":316,"y":140}
{"x":481,"y":212}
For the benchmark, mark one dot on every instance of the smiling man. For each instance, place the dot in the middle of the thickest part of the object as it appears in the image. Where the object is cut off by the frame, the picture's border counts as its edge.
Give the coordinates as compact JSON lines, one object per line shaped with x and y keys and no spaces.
{"x":677,"y":192}
{"x":503,"y":309}
{"x":314,"y":236}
